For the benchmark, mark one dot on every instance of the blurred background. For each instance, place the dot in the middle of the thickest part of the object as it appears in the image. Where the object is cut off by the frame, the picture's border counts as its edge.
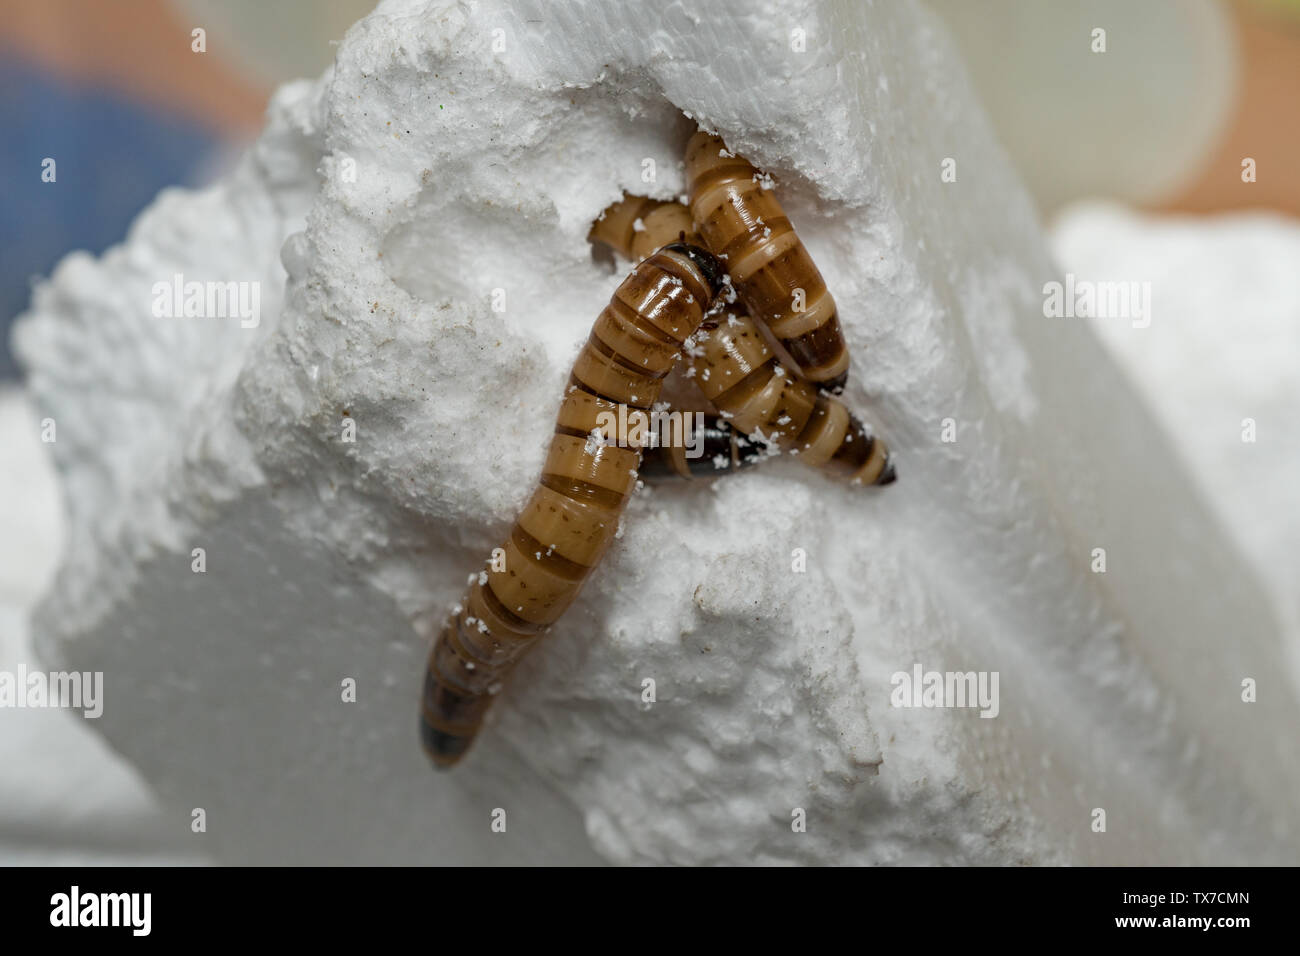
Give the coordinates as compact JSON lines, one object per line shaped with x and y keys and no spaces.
{"x":1134,"y":155}
{"x":119,"y":96}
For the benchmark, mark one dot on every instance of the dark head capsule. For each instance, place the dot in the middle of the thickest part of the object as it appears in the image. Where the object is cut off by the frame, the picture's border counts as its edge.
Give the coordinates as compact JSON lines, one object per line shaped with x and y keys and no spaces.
{"x":704,"y":260}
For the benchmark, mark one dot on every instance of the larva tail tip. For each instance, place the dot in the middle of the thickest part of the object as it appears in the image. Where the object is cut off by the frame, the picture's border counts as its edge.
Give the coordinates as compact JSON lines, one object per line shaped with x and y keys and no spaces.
{"x":444,"y":750}
{"x":709,"y":267}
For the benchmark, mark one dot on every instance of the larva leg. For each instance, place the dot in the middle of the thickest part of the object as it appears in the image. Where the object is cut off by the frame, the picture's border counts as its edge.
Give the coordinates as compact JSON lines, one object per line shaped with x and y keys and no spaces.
{"x":565,"y":528}
{"x":743,"y":224}
{"x":722,"y":450}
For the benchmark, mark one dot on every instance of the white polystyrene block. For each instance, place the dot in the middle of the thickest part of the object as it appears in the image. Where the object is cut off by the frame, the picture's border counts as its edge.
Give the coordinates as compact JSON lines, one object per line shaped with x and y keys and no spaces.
{"x":484,"y":139}
{"x":1218,"y":361}
{"x":64,"y":796}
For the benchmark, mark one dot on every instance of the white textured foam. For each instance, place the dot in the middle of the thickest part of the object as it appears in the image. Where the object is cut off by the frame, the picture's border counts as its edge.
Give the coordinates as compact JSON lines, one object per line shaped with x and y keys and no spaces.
{"x":1221,"y":349}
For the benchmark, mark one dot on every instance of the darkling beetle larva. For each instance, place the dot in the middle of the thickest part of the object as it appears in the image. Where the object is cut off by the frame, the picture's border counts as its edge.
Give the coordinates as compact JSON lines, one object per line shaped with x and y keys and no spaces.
{"x":743,"y":224}
{"x":741,"y":376}
{"x":565,"y":528}
{"x":634,"y":227}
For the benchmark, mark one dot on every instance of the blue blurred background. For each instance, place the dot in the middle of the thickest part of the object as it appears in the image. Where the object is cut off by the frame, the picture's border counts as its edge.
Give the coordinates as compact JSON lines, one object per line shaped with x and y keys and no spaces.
{"x":111,"y":156}
{"x":126,"y":100}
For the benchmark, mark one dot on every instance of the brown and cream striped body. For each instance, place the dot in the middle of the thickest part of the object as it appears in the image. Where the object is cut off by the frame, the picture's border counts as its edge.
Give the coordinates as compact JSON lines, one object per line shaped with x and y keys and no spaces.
{"x":563,"y":531}
{"x":743,"y":224}
{"x":739,"y":373}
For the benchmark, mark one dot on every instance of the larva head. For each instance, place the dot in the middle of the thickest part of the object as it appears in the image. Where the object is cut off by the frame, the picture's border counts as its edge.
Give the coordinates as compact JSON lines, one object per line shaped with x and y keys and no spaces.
{"x":705,"y":263}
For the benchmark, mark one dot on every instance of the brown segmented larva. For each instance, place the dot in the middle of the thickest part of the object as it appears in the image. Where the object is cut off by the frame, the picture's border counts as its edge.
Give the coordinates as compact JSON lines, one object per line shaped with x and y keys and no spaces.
{"x":741,"y":376}
{"x":743,"y":224}
{"x":563,"y":531}
{"x":739,"y":373}
{"x":634,"y":227}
